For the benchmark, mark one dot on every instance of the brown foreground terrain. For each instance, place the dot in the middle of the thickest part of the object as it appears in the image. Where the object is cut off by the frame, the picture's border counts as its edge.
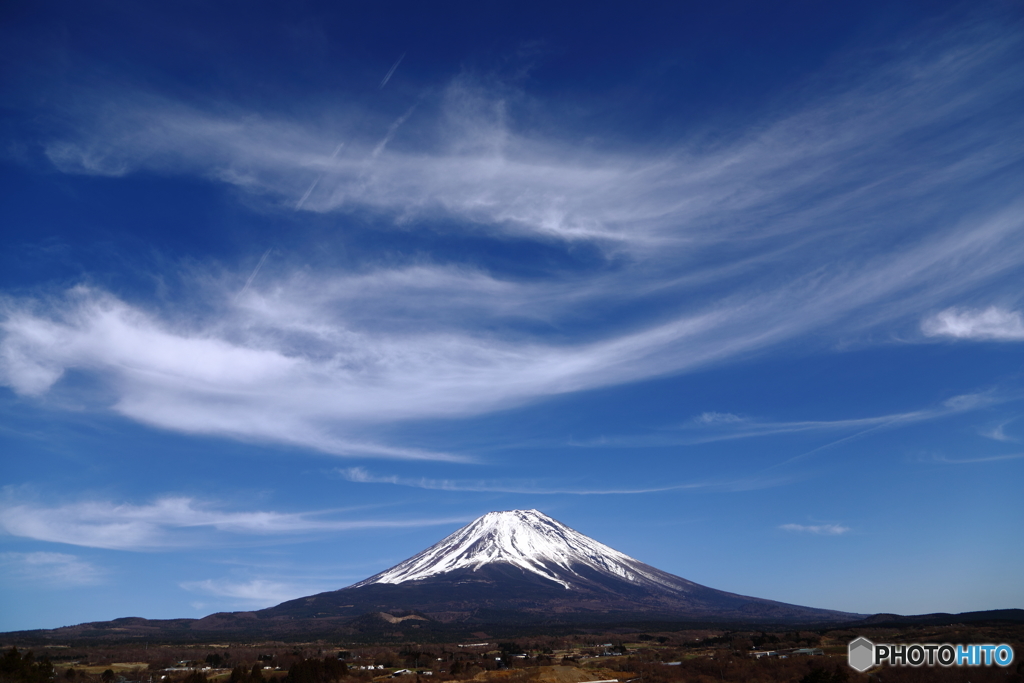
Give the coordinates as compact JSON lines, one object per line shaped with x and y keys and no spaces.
{"x":654,"y":657}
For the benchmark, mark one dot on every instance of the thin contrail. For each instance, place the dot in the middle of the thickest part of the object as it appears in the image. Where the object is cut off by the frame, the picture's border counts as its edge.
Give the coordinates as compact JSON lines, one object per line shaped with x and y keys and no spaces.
{"x":391,"y":132}
{"x":376,"y":151}
{"x":302,"y":201}
{"x":390,"y":72}
{"x":255,"y":270}
{"x":306,"y":196}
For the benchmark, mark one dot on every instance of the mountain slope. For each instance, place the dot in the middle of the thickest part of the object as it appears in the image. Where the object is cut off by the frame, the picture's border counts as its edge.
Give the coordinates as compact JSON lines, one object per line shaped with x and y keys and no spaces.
{"x":506,"y":572}
{"x":524,"y":565}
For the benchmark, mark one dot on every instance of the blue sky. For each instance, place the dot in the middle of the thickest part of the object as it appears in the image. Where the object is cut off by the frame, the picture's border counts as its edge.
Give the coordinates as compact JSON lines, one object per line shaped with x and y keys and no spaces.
{"x":290,"y":292}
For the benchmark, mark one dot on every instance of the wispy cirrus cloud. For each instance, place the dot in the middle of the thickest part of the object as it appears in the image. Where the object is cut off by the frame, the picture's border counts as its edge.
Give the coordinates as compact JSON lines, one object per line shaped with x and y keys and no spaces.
{"x":709,"y":427}
{"x":293,"y":369}
{"x":990,"y":324}
{"x":172,"y":522}
{"x":471,"y":162}
{"x":54,"y":569}
{"x":714,"y":418}
{"x":362,"y":476}
{"x":978,"y":460}
{"x":706,"y":253}
{"x":998,"y":433}
{"x":701,"y":430}
{"x":254,"y":592}
{"x":816,"y":529}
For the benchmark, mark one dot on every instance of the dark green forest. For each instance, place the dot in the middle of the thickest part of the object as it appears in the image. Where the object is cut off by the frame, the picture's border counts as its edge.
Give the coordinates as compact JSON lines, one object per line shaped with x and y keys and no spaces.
{"x":16,"y":667}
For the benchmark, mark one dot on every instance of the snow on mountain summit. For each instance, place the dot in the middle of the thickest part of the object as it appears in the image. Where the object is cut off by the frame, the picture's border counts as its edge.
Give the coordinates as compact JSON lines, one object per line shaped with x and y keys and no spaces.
{"x":531,"y":541}
{"x":523,"y":565}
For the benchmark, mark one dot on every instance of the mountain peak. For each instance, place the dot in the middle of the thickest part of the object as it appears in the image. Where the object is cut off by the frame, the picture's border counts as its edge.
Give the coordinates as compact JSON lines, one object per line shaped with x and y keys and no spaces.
{"x":526,"y":565}
{"x":528,"y":540}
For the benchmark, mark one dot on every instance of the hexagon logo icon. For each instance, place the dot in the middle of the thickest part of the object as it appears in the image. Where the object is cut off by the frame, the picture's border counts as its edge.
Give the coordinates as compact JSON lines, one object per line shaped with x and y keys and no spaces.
{"x":861,"y":654}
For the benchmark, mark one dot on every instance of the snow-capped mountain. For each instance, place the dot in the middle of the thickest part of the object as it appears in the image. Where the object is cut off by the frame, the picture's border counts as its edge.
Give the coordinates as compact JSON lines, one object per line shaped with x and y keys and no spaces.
{"x":506,"y":572}
{"x":531,"y":541}
{"x":521,"y":565}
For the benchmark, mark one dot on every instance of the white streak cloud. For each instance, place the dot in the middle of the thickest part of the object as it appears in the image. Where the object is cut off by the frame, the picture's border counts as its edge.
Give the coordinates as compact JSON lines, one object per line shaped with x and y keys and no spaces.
{"x":171,"y":522}
{"x":990,"y":324}
{"x":254,"y":592}
{"x":998,"y":433}
{"x":982,"y":459}
{"x":55,"y":569}
{"x":805,"y":226}
{"x":712,"y":426}
{"x":362,"y":476}
{"x":817,"y":529}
